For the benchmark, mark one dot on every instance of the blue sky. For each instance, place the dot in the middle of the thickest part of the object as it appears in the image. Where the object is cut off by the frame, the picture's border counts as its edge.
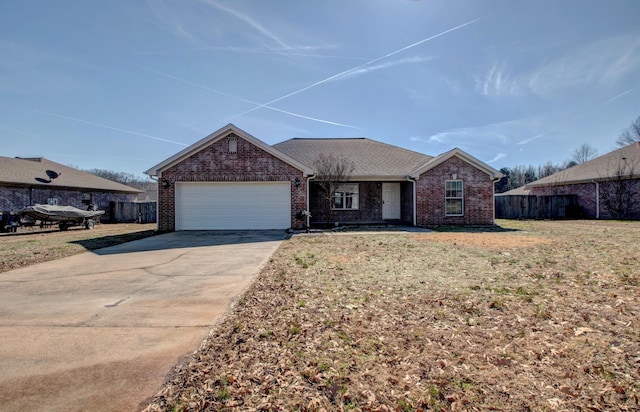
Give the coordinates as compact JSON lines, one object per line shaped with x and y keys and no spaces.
{"x":122,"y":84}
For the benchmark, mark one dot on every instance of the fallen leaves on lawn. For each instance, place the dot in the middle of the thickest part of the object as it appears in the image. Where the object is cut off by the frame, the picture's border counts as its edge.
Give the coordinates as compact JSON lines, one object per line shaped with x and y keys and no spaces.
{"x":397,"y":322}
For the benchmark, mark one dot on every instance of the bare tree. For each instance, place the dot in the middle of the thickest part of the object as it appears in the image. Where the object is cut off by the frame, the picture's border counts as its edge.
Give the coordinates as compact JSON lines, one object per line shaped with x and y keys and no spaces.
{"x":584,"y":153}
{"x":630,"y":135}
{"x":125,"y":178}
{"x":331,"y":170}
{"x":548,"y":169}
{"x":620,"y":191}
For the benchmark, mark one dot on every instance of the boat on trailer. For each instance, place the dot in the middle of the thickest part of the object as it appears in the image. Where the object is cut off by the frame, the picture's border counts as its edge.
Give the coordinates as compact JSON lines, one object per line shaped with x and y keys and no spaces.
{"x":65,"y":216}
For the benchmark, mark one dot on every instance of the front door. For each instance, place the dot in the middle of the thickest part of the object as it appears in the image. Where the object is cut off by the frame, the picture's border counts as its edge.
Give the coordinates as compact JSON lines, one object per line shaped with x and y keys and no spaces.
{"x":391,"y":201}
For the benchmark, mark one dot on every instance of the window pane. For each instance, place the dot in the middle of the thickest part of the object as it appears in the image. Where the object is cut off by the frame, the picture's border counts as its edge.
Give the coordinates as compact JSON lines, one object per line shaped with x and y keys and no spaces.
{"x":454,"y":206}
{"x":345,"y":196}
{"x":453,"y":188}
{"x":454,"y":195}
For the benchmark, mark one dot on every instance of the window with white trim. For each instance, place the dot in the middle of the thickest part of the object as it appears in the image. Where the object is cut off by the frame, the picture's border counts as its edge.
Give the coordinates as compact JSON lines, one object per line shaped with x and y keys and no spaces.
{"x":454,"y":198}
{"x":345,"y":196}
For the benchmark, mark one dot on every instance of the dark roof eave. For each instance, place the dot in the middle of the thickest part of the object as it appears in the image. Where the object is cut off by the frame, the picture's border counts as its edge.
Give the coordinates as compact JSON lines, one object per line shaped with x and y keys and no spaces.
{"x":372,"y":178}
{"x":67,"y":187}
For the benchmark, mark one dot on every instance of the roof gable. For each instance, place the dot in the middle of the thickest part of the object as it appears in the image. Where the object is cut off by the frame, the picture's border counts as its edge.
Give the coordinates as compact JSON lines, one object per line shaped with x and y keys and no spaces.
{"x":214,"y":137}
{"x":601,"y":168}
{"x":371,"y":159}
{"x":478,"y":164}
{"x":37,"y":172}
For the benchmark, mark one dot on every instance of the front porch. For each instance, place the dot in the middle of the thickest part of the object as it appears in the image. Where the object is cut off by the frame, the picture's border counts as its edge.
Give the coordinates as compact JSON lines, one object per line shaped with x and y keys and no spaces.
{"x":362,"y":203}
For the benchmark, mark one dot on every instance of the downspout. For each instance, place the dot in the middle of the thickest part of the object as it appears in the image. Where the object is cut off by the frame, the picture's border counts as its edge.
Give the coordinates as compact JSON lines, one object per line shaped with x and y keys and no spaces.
{"x":415,"y":204}
{"x":157,"y":201}
{"x":307,"y":207}
{"x":597,"y":198}
{"x":493,"y":205}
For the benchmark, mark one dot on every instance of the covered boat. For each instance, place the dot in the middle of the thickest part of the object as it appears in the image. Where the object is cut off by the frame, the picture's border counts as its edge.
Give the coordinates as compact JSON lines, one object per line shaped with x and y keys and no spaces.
{"x":65,"y":215}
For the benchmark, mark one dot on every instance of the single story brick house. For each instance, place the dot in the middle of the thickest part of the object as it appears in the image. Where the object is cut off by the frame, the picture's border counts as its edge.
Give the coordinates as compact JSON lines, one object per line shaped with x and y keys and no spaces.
{"x":607,"y":187}
{"x":30,"y":181}
{"x":232,"y":180}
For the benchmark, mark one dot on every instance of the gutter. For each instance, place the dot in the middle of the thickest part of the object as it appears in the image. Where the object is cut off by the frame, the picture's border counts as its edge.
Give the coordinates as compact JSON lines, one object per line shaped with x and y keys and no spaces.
{"x":415,"y":203}
{"x":597,"y":198}
{"x":154,"y":177}
{"x":493,"y":198}
{"x":309,"y":177}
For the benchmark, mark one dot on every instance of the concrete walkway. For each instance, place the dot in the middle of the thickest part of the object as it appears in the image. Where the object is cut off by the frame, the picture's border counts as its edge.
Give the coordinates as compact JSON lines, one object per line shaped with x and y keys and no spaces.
{"x":101,"y":330}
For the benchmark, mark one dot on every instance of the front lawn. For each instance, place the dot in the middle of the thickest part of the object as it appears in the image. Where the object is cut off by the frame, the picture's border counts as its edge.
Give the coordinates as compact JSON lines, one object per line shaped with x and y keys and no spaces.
{"x":540,"y":316}
{"x":32,"y":246}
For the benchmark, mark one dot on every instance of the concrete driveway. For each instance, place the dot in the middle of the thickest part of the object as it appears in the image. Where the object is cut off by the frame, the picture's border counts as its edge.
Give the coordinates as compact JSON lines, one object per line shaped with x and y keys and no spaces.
{"x":101,"y":330}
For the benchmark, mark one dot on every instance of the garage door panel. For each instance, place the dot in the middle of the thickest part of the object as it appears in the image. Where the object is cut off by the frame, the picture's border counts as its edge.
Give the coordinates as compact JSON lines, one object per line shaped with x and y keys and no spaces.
{"x":225,"y":206}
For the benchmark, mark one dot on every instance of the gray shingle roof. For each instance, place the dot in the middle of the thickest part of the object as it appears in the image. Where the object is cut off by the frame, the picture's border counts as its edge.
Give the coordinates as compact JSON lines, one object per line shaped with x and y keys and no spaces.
{"x":600,"y":168}
{"x":370,"y":158}
{"x":33,"y":172}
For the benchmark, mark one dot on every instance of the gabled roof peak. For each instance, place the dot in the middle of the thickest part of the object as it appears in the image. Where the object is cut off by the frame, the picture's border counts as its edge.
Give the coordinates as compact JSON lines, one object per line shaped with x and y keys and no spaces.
{"x":220,"y":134}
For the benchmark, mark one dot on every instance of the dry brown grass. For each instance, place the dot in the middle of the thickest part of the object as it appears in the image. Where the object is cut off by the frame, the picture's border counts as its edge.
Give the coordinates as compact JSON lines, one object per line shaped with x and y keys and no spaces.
{"x":35,"y":246}
{"x":544,"y":317}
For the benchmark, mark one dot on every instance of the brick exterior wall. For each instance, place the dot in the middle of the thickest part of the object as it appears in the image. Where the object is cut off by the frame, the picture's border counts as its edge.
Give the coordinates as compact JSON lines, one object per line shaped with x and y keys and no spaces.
{"x":216,"y":164}
{"x":477,"y":192}
{"x":15,"y":198}
{"x":586,"y":193}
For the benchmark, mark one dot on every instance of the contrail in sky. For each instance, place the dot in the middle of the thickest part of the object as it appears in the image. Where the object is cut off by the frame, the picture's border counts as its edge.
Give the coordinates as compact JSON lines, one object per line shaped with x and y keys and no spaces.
{"x":104,"y":126}
{"x":318,"y":83}
{"x":557,"y":126}
{"x":619,"y":96}
{"x":243,"y":100}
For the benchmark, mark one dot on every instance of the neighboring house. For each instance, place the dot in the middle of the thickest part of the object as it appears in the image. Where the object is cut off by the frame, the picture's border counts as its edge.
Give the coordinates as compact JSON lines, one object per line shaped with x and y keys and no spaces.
{"x":607,"y":187}
{"x":29,"y":181}
{"x":232,"y":180}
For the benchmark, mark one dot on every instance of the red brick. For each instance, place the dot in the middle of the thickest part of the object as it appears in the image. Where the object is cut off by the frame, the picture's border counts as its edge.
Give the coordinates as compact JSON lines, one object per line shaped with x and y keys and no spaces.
{"x":216,"y":164}
{"x":478,"y":195}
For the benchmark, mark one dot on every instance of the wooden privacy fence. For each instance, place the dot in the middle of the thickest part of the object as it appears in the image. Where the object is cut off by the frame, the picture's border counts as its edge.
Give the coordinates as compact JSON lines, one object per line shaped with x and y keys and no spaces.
{"x":138,"y":212}
{"x":537,"y":207}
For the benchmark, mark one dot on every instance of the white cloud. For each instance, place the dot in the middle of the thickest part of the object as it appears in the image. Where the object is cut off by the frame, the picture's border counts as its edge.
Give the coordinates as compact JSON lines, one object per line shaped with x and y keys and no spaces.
{"x":604,"y":62}
{"x":497,"y":157}
{"x":497,"y":82}
{"x":171,"y":21}
{"x":251,"y":23}
{"x":502,"y":132}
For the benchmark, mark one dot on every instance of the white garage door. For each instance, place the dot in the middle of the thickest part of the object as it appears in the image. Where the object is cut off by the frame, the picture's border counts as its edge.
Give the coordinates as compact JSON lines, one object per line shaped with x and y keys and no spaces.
{"x":224,"y":206}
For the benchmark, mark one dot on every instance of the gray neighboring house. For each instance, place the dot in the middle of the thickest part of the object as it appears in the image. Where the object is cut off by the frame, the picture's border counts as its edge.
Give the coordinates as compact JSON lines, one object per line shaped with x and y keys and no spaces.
{"x":607,"y":187}
{"x":29,"y":181}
